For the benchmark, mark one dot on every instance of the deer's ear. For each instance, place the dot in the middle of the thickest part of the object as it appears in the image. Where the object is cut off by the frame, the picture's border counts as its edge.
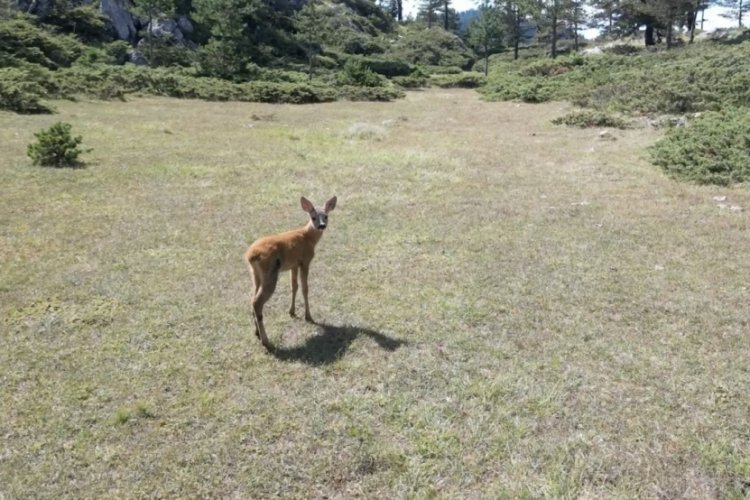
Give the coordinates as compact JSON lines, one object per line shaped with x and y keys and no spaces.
{"x":306,"y":205}
{"x":330,"y":204}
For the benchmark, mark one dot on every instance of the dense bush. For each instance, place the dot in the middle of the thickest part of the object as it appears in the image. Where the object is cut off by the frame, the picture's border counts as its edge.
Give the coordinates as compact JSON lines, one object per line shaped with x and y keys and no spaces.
{"x":705,"y":76}
{"x":355,"y":72}
{"x":110,"y":53}
{"x":584,"y":119}
{"x":414,"y":80}
{"x":22,"y":40}
{"x":712,"y":149}
{"x":552,"y":67}
{"x":387,"y":67}
{"x":467,"y":80}
{"x":55,"y":147}
{"x":353,"y":42}
{"x":623,"y":50}
{"x":509,"y":87}
{"x":293,"y":93}
{"x":19,"y":92}
{"x":108,"y":82}
{"x":442,"y":70}
{"x":432,"y":47}
{"x":86,"y":21}
{"x":354,"y":93}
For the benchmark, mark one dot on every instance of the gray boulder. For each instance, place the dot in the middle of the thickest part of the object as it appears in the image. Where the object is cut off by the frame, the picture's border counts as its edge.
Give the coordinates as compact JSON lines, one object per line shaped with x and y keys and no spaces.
{"x":136,"y":57}
{"x":122,"y":20}
{"x":160,"y":28}
{"x":185,"y":25}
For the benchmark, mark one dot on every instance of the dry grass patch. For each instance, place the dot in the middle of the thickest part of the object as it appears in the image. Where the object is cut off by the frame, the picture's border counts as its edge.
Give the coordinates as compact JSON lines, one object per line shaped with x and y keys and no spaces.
{"x":507,"y":308}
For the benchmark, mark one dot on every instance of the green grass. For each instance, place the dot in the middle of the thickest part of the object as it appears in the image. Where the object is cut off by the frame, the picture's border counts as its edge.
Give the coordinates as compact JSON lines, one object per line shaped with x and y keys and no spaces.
{"x":506,"y":308}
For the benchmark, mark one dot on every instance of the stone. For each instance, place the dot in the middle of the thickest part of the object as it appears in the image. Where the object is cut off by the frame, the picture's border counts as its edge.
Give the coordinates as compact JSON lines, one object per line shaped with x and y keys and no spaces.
{"x":123,"y":22}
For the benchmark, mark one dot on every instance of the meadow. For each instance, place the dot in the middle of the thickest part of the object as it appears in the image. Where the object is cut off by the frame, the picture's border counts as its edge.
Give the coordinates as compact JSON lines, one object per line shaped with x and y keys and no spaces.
{"x":505,"y":308}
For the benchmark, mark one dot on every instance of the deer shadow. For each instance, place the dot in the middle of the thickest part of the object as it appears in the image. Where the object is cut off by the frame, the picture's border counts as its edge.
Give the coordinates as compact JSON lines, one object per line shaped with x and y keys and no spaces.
{"x":331,"y":343}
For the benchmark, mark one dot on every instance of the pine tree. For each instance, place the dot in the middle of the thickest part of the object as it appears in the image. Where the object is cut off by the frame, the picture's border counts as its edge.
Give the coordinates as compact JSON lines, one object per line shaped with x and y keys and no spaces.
{"x":308,"y":22}
{"x":428,"y":11}
{"x":514,"y":14}
{"x":485,"y":32}
{"x":737,"y":9}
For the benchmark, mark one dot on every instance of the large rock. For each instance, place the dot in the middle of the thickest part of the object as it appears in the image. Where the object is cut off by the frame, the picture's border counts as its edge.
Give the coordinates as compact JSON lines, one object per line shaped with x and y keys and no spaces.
{"x":122,"y":20}
{"x":159,"y":28}
{"x":185,"y":25}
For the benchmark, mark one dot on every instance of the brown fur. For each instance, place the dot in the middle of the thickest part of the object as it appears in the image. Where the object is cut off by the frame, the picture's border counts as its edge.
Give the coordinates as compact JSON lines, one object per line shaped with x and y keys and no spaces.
{"x":289,"y":251}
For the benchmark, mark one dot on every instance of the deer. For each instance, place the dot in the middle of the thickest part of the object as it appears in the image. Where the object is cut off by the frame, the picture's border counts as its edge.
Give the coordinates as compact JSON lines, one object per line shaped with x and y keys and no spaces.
{"x":288,"y":251}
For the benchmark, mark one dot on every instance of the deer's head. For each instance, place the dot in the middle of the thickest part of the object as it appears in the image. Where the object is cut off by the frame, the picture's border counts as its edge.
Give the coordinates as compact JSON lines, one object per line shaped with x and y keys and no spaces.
{"x":318,"y":219}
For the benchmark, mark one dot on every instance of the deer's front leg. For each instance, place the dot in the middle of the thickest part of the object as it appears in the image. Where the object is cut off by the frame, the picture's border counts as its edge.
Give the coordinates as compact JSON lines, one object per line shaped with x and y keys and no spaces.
{"x":294,"y":291}
{"x":303,"y":274}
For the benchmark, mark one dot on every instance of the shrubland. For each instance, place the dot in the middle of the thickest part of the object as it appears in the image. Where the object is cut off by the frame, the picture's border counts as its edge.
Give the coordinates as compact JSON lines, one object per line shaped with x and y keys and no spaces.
{"x":709,"y":76}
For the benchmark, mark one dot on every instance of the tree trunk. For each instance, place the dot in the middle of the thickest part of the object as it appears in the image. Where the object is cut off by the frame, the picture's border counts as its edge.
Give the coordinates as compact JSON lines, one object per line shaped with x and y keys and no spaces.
{"x":445,"y":15}
{"x":517,"y":35}
{"x":575,"y":32}
{"x":553,"y":49}
{"x":670,"y":23}
{"x":399,"y":10}
{"x":739,"y":12}
{"x":486,"y":60}
{"x":649,"y":35}
{"x":694,"y":20}
{"x":148,"y":39}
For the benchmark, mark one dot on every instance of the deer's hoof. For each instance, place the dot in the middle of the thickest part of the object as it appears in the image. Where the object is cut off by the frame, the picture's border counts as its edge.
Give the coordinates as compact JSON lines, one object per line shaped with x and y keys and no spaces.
{"x":309,"y":319}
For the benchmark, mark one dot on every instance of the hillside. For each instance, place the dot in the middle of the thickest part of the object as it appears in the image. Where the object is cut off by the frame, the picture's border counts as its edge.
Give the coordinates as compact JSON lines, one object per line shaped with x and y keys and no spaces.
{"x":279,"y":52}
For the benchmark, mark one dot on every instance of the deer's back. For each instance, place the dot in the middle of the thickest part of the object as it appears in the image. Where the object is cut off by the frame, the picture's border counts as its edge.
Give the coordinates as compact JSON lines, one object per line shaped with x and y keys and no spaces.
{"x":290,"y":248}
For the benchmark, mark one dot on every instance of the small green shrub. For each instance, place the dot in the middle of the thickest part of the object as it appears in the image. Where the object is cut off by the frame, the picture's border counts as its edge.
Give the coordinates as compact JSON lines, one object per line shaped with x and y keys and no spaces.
{"x":584,"y":119}
{"x":712,"y":149}
{"x":55,"y":147}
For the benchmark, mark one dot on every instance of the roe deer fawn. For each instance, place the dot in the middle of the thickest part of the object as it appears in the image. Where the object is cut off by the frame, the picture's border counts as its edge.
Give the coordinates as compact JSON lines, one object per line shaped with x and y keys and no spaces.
{"x":292,"y":250}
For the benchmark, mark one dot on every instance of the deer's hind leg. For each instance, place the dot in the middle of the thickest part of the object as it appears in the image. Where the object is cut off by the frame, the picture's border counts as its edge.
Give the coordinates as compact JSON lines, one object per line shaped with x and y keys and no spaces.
{"x":262,"y":294}
{"x":256,"y":288}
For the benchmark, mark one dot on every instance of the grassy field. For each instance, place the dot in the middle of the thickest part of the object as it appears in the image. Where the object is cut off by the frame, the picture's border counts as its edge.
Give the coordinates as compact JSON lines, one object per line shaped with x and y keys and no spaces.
{"x":505,"y":308}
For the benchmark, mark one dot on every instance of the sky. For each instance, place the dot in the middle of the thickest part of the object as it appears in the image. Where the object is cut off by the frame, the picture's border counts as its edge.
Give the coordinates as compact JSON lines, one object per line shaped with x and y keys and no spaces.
{"x":713,"y":18}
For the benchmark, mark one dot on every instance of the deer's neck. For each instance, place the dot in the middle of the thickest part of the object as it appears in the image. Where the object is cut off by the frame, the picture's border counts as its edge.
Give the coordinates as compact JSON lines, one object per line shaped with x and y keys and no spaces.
{"x":311,"y":234}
